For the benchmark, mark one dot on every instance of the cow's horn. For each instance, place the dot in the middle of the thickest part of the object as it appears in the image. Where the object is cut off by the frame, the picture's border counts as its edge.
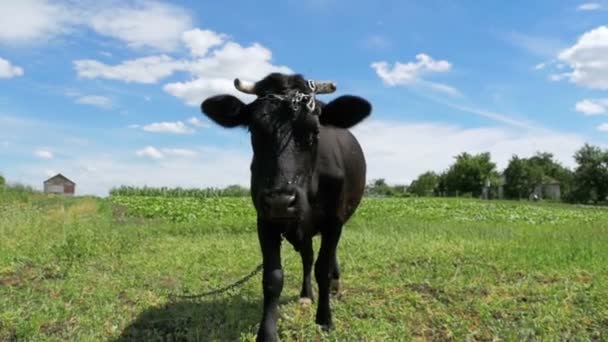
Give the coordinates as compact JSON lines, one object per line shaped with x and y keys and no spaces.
{"x":325,"y":87}
{"x":244,"y":86}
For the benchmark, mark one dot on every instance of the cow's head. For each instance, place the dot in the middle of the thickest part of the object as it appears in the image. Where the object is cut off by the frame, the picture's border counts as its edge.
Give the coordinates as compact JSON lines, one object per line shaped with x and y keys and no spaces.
{"x":284,"y":121}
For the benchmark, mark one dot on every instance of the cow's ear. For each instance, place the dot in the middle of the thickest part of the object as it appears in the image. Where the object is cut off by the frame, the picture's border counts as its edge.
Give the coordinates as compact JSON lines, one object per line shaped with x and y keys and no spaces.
{"x":226,"y":110}
{"x":345,"y":111}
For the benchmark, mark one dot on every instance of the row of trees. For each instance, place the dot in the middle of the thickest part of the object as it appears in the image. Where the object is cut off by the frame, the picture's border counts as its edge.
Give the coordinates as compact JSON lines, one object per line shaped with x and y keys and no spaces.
{"x":471,"y":175}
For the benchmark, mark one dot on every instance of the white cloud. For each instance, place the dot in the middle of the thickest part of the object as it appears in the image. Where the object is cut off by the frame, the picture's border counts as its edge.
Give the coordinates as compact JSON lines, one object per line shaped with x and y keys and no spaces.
{"x":208,"y":75}
{"x":440,"y":87}
{"x":44,"y":154}
{"x":200,"y":41}
{"x":502,"y":118}
{"x":180,"y":152}
{"x":215,"y":73}
{"x":150,"y":152}
{"x":33,"y":20}
{"x":590,"y":6}
{"x":592,"y":107}
{"x":194,"y":92}
{"x":7,"y":70}
{"x":151,"y":24}
{"x":143,"y":24}
{"x":233,"y":60}
{"x":603,"y":127}
{"x":196,"y":122}
{"x":587,"y":59}
{"x":410,"y":73}
{"x":558,"y":77}
{"x":142,"y":70}
{"x":404,"y":73}
{"x":535,"y":45}
{"x":177,"y":127}
{"x":95,"y":100}
{"x":432,"y":146}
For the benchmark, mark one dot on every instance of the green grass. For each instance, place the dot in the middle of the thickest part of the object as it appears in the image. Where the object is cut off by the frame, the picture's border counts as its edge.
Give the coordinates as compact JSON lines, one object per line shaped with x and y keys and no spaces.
{"x":413,"y":269}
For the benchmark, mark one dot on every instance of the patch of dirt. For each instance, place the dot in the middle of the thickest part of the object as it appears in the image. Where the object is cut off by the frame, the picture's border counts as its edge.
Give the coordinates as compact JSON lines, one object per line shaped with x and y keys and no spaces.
{"x":58,"y":328}
{"x":430,"y":291}
{"x":11,"y":280}
{"x":28,"y":274}
{"x":124,"y":298}
{"x":7,"y":335}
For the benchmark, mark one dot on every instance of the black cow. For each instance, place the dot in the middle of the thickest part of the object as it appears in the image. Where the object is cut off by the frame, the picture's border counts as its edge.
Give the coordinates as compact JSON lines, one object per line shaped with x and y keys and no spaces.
{"x":307,"y":177}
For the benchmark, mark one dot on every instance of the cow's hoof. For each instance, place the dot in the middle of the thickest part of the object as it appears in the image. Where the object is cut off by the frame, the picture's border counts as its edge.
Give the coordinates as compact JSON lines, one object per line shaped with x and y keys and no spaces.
{"x":305,"y":302}
{"x":326,"y":327}
{"x":262,"y":337}
{"x":334,"y":288}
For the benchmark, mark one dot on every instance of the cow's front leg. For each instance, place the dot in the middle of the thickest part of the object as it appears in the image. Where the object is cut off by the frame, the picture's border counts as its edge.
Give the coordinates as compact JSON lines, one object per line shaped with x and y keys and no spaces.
{"x":334,"y":283}
{"x":323,"y":273}
{"x":307,"y":255}
{"x":272,"y":282}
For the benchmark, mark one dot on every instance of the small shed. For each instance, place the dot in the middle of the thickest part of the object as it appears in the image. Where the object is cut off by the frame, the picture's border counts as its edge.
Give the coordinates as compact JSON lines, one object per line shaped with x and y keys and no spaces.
{"x":60,"y":185}
{"x":548,"y":189}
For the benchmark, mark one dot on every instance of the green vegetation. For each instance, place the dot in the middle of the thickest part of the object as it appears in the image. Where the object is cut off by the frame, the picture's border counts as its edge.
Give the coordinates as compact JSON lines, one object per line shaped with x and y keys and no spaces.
{"x":470,"y":175}
{"x":229,"y":191}
{"x":591,"y":175}
{"x":16,"y":192}
{"x":238,"y":213}
{"x":522,"y":175}
{"x":85,"y":269}
{"x":425,"y":184}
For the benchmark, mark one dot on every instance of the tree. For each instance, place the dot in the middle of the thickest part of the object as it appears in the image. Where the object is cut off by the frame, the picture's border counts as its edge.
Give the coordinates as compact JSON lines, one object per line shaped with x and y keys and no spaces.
{"x":2,"y":181}
{"x":235,"y":190}
{"x":591,"y":175}
{"x":469,"y":174}
{"x":425,"y":185}
{"x":522,"y":175}
{"x":554,"y":170}
{"x":442,"y":188}
{"x":378,"y":187}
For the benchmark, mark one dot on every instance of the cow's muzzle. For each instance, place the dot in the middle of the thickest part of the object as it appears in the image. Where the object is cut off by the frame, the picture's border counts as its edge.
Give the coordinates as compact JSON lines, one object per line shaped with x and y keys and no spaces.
{"x":280,"y":206}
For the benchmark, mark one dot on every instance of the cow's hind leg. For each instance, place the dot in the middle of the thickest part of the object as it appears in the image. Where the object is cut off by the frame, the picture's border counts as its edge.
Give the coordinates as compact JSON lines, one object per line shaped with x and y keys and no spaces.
{"x":307,"y":255}
{"x":323,"y":273}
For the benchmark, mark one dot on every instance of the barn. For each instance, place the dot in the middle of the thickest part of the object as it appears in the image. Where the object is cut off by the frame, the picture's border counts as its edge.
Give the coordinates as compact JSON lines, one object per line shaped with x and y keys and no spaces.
{"x":59,"y":184}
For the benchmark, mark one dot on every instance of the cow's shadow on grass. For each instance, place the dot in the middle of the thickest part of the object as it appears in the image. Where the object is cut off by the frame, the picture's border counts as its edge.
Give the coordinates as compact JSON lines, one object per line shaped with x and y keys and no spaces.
{"x":215,"y":319}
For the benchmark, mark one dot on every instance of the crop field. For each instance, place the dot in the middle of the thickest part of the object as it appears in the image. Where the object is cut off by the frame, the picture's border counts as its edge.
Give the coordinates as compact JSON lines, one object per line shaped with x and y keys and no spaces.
{"x":89,"y":269}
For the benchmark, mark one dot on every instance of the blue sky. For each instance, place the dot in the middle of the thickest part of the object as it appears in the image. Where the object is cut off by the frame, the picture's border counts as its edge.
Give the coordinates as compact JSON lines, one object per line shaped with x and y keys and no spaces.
{"x":108,"y":92}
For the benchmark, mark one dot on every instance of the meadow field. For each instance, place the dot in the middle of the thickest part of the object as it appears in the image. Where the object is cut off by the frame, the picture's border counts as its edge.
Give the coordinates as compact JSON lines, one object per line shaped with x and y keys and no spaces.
{"x":90,"y":269}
